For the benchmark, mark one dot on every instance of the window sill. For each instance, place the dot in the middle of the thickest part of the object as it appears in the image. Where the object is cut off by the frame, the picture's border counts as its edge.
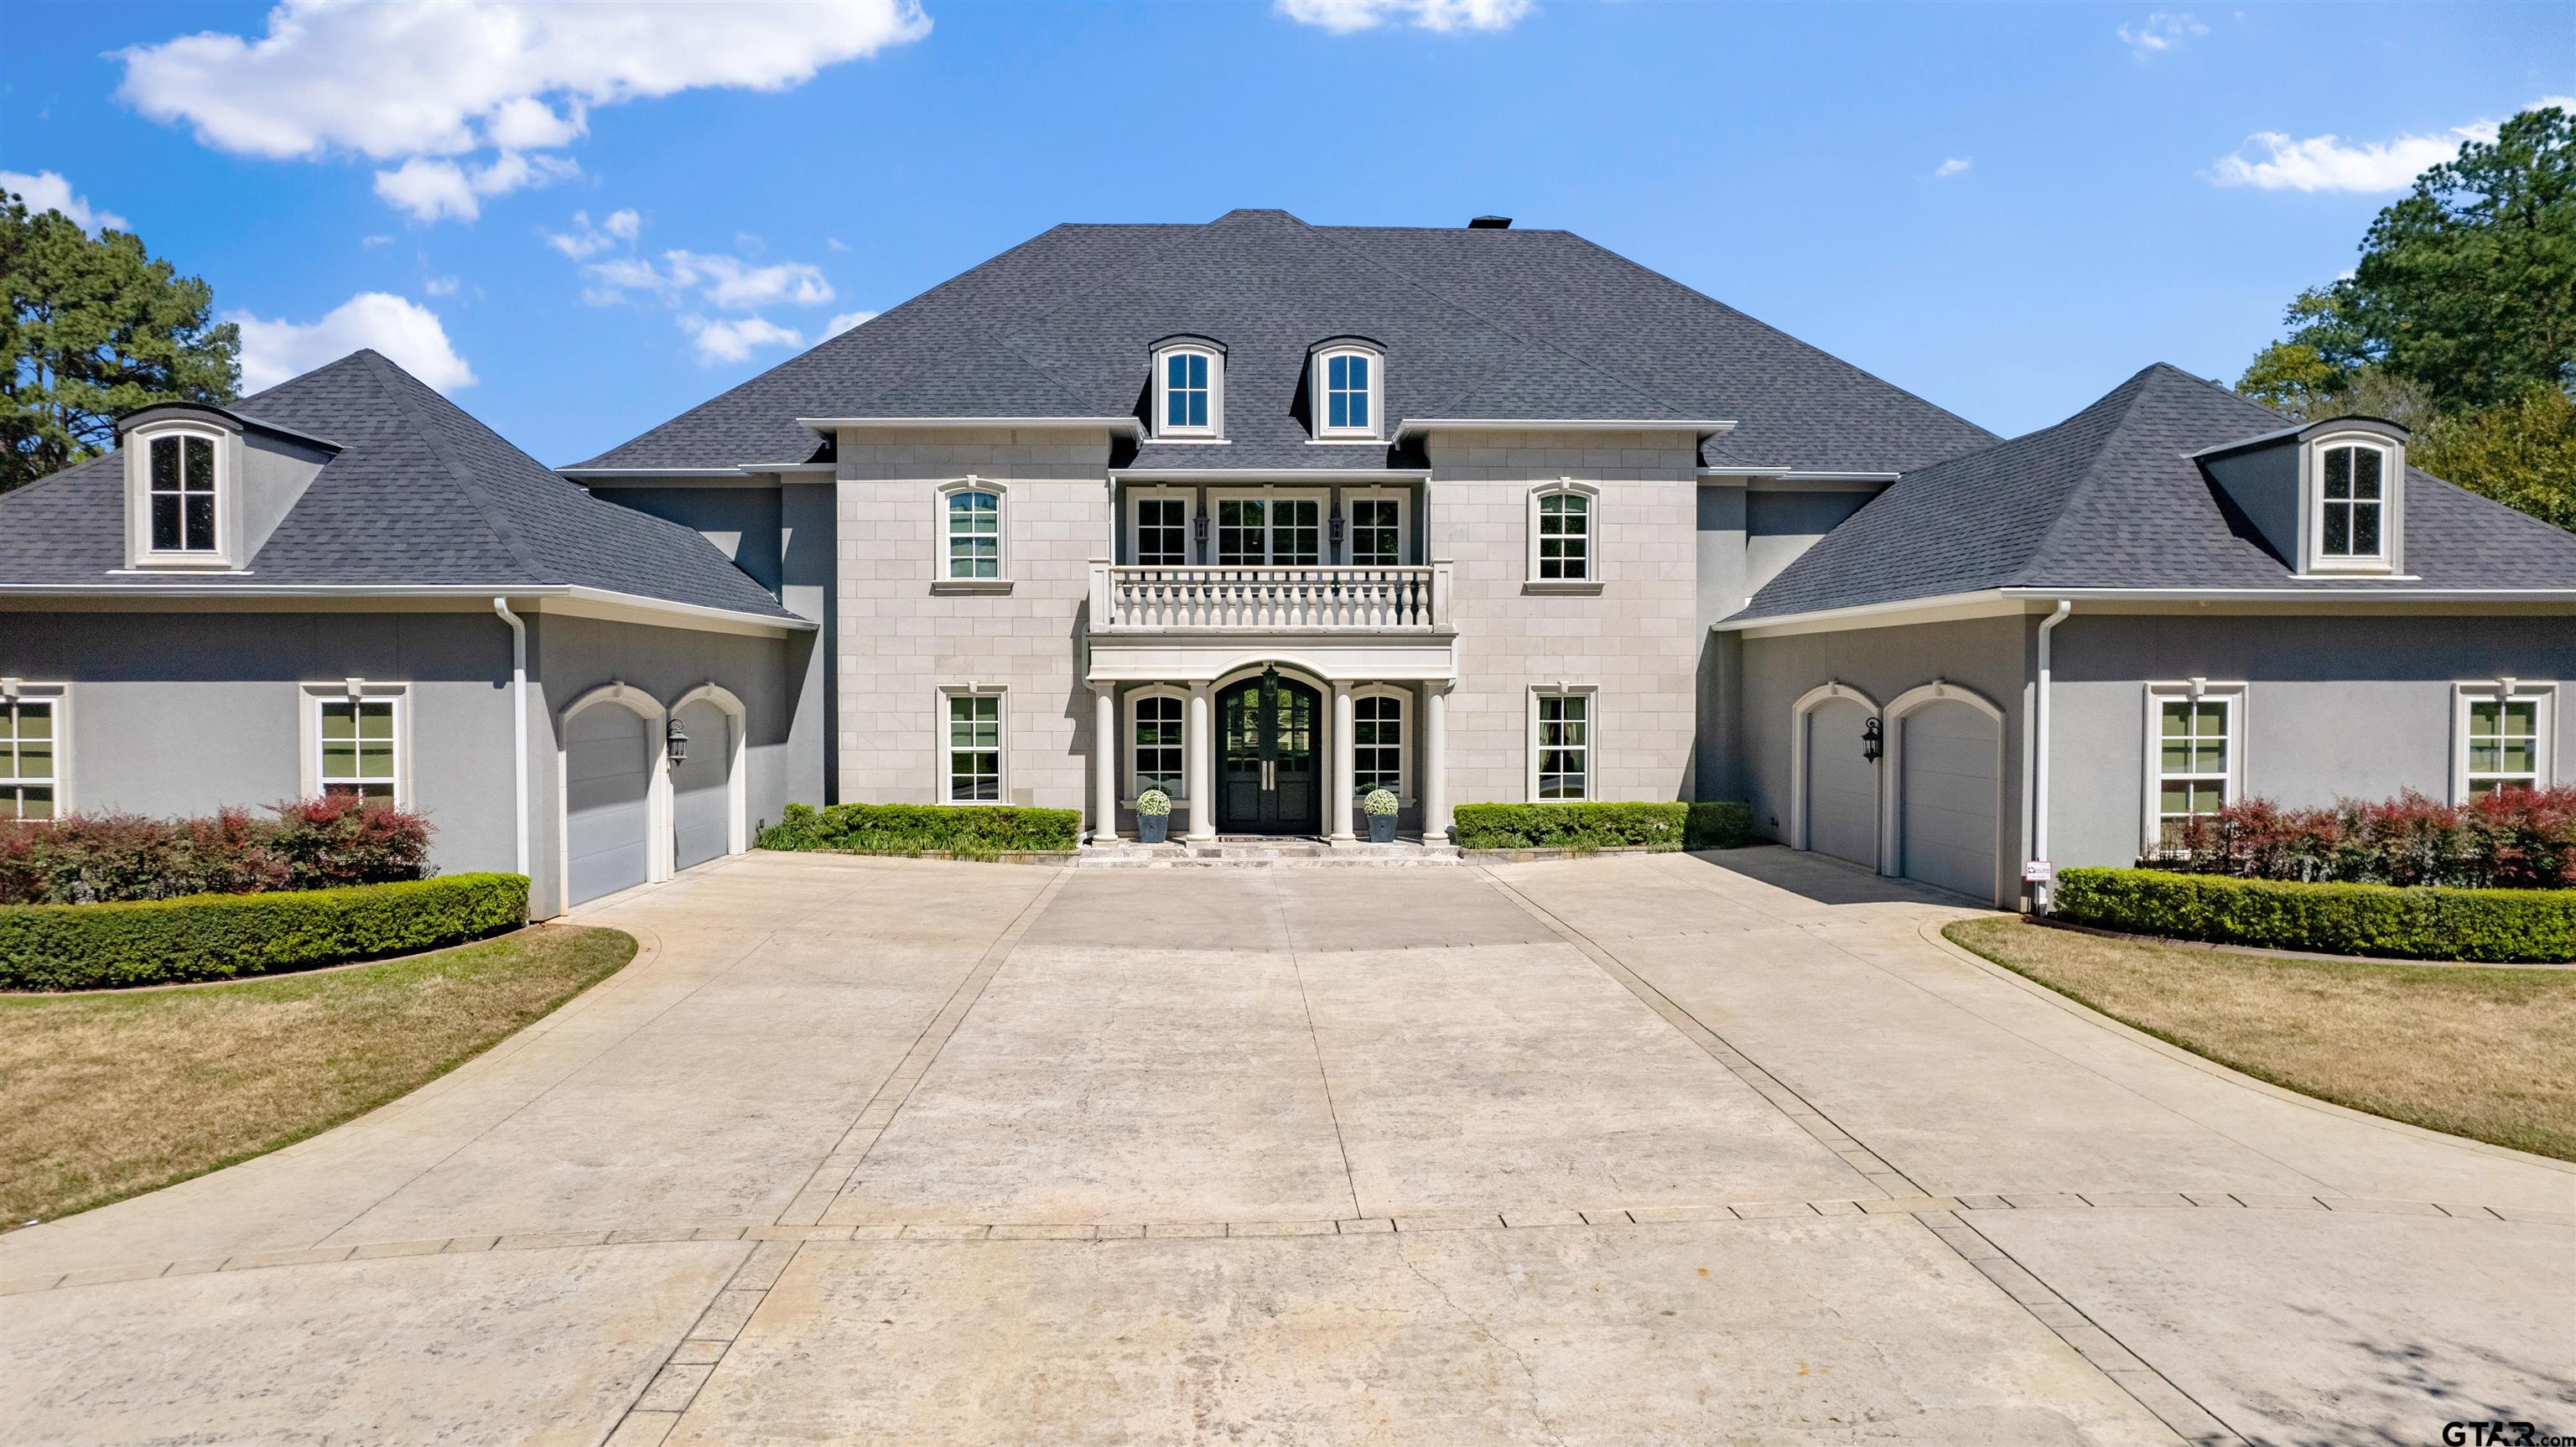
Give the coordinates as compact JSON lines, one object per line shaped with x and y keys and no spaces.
{"x":1199,"y":439}
{"x":1566,"y":587}
{"x":988,"y":587}
{"x":1346,"y":439}
{"x":178,"y":563}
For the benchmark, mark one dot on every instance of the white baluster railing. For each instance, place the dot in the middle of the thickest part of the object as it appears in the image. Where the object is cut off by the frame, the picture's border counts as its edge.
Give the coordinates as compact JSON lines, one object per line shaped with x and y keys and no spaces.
{"x":1251,"y":600}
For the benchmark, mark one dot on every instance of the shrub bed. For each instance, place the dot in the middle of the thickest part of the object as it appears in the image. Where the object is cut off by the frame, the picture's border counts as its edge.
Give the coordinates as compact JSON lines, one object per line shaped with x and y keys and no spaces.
{"x":969,"y":829}
{"x":309,"y":844}
{"x":1570,"y":826}
{"x":222,"y":936}
{"x":1719,"y":826}
{"x":2508,"y":839}
{"x":2427,"y":923}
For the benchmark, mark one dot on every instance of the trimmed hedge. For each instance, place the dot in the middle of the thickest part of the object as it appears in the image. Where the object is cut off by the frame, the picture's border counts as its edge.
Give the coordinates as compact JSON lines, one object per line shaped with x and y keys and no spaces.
{"x":2503,"y":925}
{"x":918,"y":828}
{"x":1569,"y":826}
{"x":1719,"y":826}
{"x":221,"y":936}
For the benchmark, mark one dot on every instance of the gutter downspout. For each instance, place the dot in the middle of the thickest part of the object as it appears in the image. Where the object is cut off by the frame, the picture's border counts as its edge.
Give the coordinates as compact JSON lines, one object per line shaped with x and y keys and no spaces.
{"x":2039,"y":751}
{"x":518,"y":717}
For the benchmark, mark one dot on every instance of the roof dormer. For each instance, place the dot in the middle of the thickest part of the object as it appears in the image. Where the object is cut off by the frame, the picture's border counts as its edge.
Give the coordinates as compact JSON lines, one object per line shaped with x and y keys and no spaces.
{"x":2328,"y":497}
{"x":1347,"y":383}
{"x":1189,"y":389}
{"x":204,"y":487}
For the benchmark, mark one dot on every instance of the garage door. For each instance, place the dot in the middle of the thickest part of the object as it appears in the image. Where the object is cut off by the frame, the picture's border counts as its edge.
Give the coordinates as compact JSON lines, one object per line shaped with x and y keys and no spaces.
{"x":701,"y":802}
{"x":1946,"y":799}
{"x":1842,"y":786}
{"x":607,"y":770}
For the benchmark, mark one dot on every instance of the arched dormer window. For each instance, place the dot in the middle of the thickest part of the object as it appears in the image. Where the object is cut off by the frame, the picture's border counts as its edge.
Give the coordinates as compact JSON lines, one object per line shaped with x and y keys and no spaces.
{"x":1189,"y":388}
{"x":2352,"y":509}
{"x":1349,"y":390}
{"x":182,"y":480}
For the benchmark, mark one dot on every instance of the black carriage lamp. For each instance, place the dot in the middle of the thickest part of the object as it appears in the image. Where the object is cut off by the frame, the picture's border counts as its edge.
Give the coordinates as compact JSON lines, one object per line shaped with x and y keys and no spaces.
{"x":1869,"y":738}
{"x":1337,"y":527}
{"x":1270,"y":678}
{"x":676,"y":742}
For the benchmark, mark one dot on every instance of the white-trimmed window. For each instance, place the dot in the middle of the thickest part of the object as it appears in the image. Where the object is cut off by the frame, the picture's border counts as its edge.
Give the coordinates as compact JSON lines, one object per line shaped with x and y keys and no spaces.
{"x":180,"y":486}
{"x":359,"y":748}
{"x":1564,"y":536}
{"x":1189,"y":392}
{"x":974,"y":751}
{"x":2505,"y":731}
{"x":1270,"y":529}
{"x":31,"y":754}
{"x":1155,"y":744}
{"x":971,"y":536}
{"x":1376,"y":522}
{"x":1161,"y":538}
{"x":2193,"y":770}
{"x":1561,"y":745}
{"x":1348,"y":384}
{"x":1377,"y":743}
{"x":2352,"y":501}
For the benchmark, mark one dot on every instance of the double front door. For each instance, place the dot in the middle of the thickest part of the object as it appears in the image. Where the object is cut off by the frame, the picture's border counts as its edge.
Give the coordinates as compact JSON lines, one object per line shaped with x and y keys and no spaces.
{"x":1266,"y":780}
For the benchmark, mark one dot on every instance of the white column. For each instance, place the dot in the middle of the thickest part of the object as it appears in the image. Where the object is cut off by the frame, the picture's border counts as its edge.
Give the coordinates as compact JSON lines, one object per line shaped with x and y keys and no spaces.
{"x":1345,"y":771}
{"x":1199,"y":750}
{"x":1435,"y":762}
{"x":1104,"y":762}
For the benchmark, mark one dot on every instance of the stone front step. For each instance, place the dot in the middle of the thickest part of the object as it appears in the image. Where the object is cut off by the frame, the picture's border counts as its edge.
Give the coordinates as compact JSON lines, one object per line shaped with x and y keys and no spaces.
{"x":1261,"y":853}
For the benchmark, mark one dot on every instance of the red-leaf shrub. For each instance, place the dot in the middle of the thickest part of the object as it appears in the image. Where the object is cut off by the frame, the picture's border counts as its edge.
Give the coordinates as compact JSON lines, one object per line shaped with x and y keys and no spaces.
{"x":311,"y":844}
{"x":2508,"y":839}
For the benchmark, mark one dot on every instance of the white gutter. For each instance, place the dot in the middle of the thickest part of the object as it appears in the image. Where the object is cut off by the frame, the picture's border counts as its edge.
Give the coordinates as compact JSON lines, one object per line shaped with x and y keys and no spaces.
{"x":1128,"y":425}
{"x":728,"y":469}
{"x":518,"y":717}
{"x":1894,"y":611}
{"x":569,"y":592}
{"x":2039,"y":754}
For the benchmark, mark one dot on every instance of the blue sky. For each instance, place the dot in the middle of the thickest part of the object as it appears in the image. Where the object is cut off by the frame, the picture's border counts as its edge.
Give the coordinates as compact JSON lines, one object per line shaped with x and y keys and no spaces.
{"x":2005,"y":208}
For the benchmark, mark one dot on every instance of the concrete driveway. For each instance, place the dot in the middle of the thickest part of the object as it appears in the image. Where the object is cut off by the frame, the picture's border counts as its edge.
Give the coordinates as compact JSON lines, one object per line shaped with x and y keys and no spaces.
{"x":1671,"y":1149}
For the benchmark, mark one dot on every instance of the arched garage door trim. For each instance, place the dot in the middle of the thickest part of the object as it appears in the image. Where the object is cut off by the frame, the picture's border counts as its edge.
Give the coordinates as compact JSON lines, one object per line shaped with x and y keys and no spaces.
{"x":1807,"y":703}
{"x":657,"y":789}
{"x":737,"y":791}
{"x":1891,"y":836}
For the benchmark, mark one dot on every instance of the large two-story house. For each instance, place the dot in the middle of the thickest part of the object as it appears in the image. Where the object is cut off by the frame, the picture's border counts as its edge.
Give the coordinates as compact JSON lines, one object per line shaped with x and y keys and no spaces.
{"x":1267,"y":515}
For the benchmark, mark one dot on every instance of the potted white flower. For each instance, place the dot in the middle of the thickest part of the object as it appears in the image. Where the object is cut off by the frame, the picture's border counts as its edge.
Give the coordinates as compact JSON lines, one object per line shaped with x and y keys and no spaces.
{"x":1153,"y":816}
{"x":1379,"y":805}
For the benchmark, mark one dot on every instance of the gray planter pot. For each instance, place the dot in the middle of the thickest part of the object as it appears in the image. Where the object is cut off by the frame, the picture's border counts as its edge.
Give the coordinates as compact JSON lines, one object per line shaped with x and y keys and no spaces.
{"x":1153,"y":827}
{"x":1381,"y":828}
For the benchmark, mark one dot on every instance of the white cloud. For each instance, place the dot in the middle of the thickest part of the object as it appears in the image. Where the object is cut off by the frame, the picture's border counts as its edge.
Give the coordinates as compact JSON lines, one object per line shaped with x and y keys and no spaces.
{"x":843,"y":321}
{"x":48,"y":191}
{"x":723,"y":281}
{"x":429,"y":81}
{"x":2331,"y":163}
{"x":405,"y":331}
{"x":370,"y":243}
{"x":585,"y":241}
{"x":1343,"y":17}
{"x":1952,"y":167}
{"x":432,"y":189}
{"x":440,"y":286}
{"x":2158,"y":33}
{"x":732,"y":339}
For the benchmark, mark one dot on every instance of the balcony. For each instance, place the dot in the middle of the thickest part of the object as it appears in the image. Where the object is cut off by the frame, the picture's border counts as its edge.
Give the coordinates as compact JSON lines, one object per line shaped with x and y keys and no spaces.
{"x":1348,"y":600}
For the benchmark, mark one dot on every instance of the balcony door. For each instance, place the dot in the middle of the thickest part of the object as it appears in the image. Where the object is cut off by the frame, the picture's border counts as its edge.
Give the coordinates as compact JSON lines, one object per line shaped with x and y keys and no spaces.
{"x":1270,"y":530}
{"x":1266,"y":770}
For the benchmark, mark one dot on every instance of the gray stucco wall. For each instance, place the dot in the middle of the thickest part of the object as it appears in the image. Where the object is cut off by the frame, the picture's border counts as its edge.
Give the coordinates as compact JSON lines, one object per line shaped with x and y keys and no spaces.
{"x":1985,"y":655}
{"x":185,"y":713}
{"x":2355,"y":706}
{"x":742,"y":521}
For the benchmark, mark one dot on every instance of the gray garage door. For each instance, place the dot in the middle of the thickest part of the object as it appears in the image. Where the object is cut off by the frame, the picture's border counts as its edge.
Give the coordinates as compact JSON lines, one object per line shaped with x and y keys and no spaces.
{"x":607,"y":768}
{"x":1842,"y":786}
{"x":701,"y":804}
{"x":1946,"y":801}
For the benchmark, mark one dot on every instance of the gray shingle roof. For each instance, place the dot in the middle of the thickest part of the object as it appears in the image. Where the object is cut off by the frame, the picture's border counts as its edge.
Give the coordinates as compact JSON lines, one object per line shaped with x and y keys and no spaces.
{"x":1491,"y":324}
{"x":2111,"y":498}
{"x":419,"y":494}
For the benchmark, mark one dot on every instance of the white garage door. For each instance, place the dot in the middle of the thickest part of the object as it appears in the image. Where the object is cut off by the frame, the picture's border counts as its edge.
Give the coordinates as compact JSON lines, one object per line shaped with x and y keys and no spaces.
{"x":701,"y":802}
{"x":608,"y":766}
{"x":1946,"y":800}
{"x":1842,"y":786}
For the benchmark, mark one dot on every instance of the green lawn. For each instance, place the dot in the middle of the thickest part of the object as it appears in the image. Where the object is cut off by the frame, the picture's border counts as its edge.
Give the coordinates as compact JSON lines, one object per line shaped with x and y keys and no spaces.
{"x":2484,"y":1053}
{"x":104,"y":1096}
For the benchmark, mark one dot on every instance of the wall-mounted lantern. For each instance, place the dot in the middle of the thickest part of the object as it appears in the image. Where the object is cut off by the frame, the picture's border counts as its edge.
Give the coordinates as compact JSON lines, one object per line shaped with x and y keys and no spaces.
{"x":676,"y":742}
{"x":1869,"y":739}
